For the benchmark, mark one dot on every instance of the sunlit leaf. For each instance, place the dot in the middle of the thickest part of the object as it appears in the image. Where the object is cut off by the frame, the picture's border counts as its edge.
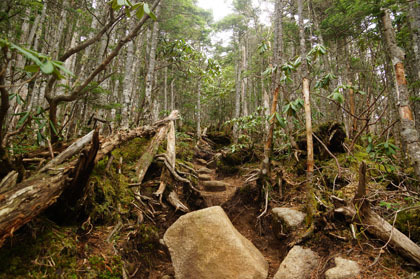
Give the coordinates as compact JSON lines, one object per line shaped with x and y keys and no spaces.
{"x":47,"y":67}
{"x":31,"y":68}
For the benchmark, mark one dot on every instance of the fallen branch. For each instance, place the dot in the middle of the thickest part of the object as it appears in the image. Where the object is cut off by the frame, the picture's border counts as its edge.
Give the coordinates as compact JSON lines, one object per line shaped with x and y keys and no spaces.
{"x":360,"y":211}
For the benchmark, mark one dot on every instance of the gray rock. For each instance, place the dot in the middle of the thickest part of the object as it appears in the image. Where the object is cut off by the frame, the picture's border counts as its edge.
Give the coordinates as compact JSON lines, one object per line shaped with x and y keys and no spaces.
{"x":204,"y":244}
{"x":344,"y":269}
{"x":298,"y":264}
{"x":291,"y":217}
{"x":286,"y":220}
{"x":204,"y":170}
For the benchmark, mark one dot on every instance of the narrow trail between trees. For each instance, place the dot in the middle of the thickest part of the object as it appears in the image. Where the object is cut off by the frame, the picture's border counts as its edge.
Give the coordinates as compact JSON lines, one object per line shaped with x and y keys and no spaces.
{"x":242,"y":207}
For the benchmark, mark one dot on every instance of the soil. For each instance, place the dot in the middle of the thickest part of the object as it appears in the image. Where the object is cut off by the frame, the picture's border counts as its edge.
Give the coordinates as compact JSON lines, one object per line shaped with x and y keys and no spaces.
{"x":104,"y":250}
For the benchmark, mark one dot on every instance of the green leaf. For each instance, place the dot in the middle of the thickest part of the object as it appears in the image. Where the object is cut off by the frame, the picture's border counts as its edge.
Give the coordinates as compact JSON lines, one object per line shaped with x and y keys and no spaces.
{"x":115,"y":5}
{"x":146,"y":8}
{"x":23,"y":119}
{"x":39,"y":137}
{"x":369,"y":148}
{"x":27,"y":54}
{"x":147,"y":11}
{"x":59,"y":65}
{"x":31,"y":68}
{"x":337,"y":96}
{"x":152,"y":16}
{"x":281,"y":120}
{"x":47,"y":67}
{"x":19,"y":99}
{"x":53,"y":128}
{"x":57,"y":74}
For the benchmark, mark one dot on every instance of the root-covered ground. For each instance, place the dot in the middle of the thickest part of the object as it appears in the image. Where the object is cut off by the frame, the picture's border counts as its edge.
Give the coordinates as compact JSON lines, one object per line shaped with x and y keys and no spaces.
{"x":115,"y":235}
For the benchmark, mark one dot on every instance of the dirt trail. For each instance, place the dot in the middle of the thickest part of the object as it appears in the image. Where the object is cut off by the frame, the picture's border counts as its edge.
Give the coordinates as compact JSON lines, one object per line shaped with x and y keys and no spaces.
{"x":242,"y":209}
{"x":213,"y":198}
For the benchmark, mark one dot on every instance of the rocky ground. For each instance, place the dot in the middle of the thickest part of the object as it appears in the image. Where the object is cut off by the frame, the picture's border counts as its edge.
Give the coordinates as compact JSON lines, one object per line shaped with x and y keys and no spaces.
{"x":223,"y":236}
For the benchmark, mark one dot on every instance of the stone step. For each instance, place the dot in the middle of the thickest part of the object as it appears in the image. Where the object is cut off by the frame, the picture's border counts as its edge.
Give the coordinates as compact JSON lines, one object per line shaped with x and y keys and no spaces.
{"x":204,"y":177}
{"x":215,"y":186}
{"x":204,"y":170}
{"x":202,"y":161}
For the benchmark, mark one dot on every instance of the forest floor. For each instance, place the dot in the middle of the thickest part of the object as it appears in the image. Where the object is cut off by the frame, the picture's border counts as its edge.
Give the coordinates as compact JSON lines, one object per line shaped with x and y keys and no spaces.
{"x":119,"y":242}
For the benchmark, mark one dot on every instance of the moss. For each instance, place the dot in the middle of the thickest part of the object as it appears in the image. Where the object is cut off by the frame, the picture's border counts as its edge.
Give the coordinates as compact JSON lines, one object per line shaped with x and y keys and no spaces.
{"x":104,"y":269}
{"x":226,"y":169}
{"x":185,"y":150}
{"x":109,"y":197}
{"x":52,"y":254}
{"x":132,"y":150}
{"x":408,"y":222}
{"x":332,"y":134}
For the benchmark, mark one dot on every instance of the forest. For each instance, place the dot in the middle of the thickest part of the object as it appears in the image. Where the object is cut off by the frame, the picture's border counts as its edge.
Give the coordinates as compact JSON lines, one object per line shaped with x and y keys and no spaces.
{"x":156,"y":139}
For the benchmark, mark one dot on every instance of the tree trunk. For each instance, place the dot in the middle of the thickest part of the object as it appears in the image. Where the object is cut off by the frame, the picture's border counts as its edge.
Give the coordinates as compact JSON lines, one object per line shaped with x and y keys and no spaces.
{"x":148,"y":104}
{"x":310,"y":202}
{"x":409,"y":133}
{"x":237,"y":100}
{"x":199,"y":110}
{"x":30,"y":197}
{"x":244,"y":81}
{"x":127,"y":85}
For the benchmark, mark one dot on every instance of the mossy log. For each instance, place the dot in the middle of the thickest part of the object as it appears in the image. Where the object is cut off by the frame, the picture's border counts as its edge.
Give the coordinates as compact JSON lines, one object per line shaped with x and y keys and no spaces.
{"x":332,"y":134}
{"x":32,"y":196}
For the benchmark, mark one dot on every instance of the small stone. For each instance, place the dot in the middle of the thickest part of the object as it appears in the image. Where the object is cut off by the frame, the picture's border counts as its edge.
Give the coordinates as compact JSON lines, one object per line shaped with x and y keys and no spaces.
{"x":204,"y":170}
{"x":215,"y":186}
{"x":204,"y":177}
{"x":344,"y":269}
{"x":298,"y":264}
{"x":290,"y":217}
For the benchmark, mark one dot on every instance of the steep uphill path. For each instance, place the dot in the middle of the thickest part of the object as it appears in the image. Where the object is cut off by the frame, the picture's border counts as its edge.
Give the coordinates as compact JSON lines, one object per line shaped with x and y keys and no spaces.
{"x":215,"y":188}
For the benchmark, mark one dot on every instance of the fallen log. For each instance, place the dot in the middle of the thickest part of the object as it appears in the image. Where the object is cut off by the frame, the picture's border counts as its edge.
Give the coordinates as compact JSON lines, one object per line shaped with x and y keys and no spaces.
{"x":148,"y":156}
{"x":171,"y":155}
{"x":360,"y":212}
{"x":27,"y":199}
{"x":30,"y":197}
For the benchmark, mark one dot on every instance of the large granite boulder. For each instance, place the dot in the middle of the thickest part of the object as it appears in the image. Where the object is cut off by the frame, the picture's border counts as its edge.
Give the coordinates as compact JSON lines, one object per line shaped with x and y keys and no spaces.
{"x":205,"y":245}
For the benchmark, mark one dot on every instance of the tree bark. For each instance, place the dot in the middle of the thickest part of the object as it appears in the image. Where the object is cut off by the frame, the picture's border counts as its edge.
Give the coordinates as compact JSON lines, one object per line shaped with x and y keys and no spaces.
{"x":127,"y":85}
{"x":237,"y":110}
{"x":409,"y":133}
{"x":30,"y":197}
{"x":310,"y":203}
{"x":148,"y":104}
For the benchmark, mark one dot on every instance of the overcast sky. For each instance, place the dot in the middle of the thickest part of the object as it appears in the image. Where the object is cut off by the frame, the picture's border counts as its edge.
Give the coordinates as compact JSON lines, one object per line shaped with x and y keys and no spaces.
{"x":220,"y":8}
